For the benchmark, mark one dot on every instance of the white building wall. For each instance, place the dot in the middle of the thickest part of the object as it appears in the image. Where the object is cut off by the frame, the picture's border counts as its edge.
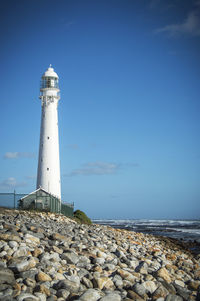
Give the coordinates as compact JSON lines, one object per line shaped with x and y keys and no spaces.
{"x":48,"y":176}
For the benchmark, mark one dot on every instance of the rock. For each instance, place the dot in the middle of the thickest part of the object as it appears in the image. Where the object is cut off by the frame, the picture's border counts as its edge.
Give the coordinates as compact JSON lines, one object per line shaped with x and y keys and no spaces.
{"x":163,"y":273}
{"x":6,"y":276}
{"x":71,"y":286}
{"x":87,"y":282}
{"x":23,"y":265}
{"x":133,"y":296}
{"x":29,"y":274}
{"x":26,"y":296}
{"x":90,"y":295}
{"x":160,"y":292}
{"x":37,"y":252}
{"x":63,"y":293}
{"x":126,"y":275}
{"x":99,"y":260}
{"x":103,"y":282}
{"x":13,"y":244}
{"x":6,"y":293}
{"x":70,"y":257}
{"x":21,"y":252}
{"x":183,"y":292}
{"x":142,"y":268}
{"x":41,"y":276}
{"x":30,"y":282}
{"x":58,"y":276}
{"x":8,"y":237}
{"x":140,"y":290}
{"x":42,"y":289}
{"x":180,"y":283}
{"x":150,"y":286}
{"x":194,"y":285}
{"x":42,"y":297}
{"x":57,"y":236}
{"x":57,"y":250}
{"x":30,"y":239}
{"x":173,"y":298}
{"x":111,"y":297}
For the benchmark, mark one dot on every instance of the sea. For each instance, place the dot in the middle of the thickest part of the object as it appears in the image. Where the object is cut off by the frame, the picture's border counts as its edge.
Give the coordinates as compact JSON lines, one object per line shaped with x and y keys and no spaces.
{"x":187,"y":231}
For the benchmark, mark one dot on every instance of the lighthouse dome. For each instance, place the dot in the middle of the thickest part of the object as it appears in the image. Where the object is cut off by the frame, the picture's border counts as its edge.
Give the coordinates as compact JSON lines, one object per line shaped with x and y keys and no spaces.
{"x":50,"y":73}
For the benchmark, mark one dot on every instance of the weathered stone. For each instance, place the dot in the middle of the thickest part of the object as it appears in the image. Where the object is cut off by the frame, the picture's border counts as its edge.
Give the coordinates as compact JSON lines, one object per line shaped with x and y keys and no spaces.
{"x":173,"y":298}
{"x":58,"y":276}
{"x":160,"y":292}
{"x":42,"y":289}
{"x":8,"y":237}
{"x":183,"y":292}
{"x":28,"y":297}
{"x":13,"y":244}
{"x":194,"y":285}
{"x":24,"y":265}
{"x":21,"y":252}
{"x":111,"y":297}
{"x":42,"y":297}
{"x":37,"y":252}
{"x":163,"y":273}
{"x":126,"y":275}
{"x":30,"y":239}
{"x":90,"y":295}
{"x":71,"y":286}
{"x":180,"y":283}
{"x":70,"y":257}
{"x":6,"y":276}
{"x":58,"y":250}
{"x":140,"y":290}
{"x":133,"y":296}
{"x":30,"y":282}
{"x":63,"y":293}
{"x":28,"y":274}
{"x":87,"y":282}
{"x":57,"y":236}
{"x":150,"y":286}
{"x":41,"y":276}
{"x":142,"y":268}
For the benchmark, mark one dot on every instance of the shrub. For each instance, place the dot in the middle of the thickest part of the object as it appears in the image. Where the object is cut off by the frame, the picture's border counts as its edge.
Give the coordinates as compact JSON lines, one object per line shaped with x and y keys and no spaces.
{"x":81,"y":217}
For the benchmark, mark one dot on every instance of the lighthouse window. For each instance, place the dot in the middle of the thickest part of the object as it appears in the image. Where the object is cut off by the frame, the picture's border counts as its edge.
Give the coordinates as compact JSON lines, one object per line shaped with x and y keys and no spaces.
{"x":48,"y":137}
{"x":47,"y":168}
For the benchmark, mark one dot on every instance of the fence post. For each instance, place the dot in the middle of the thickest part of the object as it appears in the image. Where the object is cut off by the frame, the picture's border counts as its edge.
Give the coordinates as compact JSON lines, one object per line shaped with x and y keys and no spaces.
{"x":14,"y":199}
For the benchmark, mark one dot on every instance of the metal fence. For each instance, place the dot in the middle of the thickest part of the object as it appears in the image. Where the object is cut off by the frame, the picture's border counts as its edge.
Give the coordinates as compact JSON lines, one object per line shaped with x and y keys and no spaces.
{"x":12,"y":200}
{"x":67,"y":209}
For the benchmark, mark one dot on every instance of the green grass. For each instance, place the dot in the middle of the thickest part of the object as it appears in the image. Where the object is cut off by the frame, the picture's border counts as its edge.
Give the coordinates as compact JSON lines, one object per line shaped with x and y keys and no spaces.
{"x":81,"y":217}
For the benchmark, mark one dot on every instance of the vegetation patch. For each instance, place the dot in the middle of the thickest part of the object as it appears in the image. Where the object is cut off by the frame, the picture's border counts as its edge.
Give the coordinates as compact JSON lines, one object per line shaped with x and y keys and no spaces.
{"x":81,"y":217}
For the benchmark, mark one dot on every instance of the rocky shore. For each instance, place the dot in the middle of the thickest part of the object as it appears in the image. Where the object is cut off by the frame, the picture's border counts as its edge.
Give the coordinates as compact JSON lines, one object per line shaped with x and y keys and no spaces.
{"x":50,"y":257}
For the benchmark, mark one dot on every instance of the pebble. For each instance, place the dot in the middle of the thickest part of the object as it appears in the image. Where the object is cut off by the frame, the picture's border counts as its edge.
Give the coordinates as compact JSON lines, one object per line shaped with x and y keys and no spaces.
{"x":49,"y":257}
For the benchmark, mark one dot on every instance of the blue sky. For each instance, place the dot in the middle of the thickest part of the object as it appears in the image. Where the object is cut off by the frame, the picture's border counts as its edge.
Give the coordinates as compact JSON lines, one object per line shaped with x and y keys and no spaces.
{"x":129,"y":111}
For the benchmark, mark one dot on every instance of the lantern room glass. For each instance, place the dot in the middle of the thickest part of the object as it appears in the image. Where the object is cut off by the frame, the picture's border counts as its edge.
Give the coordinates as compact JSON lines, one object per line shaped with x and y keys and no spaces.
{"x":49,"y":82}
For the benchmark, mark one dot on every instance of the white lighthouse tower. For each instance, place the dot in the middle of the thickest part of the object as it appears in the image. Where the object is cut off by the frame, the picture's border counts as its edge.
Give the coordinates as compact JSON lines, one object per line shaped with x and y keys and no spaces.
{"x":48,"y":174}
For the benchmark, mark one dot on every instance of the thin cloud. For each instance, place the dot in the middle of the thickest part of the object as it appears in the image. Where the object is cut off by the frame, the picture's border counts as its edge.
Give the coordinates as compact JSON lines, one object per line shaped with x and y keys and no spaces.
{"x":31,"y":177}
{"x":17,"y":155}
{"x":73,"y":146}
{"x":11,"y":183}
{"x":96,"y":168}
{"x":191,"y":26}
{"x":100,"y":168}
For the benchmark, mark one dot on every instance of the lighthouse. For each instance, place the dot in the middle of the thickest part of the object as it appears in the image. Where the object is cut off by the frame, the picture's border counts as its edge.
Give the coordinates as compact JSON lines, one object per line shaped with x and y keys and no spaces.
{"x":48,"y":174}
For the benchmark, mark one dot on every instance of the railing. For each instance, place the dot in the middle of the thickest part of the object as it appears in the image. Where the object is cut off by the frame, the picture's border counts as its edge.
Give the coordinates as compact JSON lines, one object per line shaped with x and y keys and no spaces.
{"x":12,"y":200}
